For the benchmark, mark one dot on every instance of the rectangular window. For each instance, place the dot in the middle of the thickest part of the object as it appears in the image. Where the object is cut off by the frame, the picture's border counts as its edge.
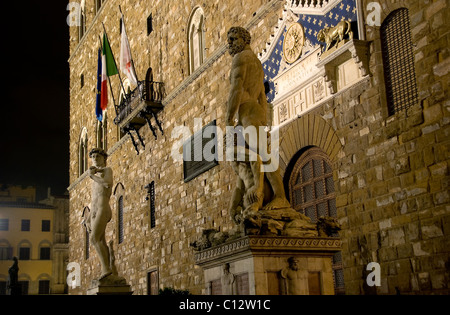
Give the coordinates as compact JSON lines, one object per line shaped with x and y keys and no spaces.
{"x":24,"y":285}
{"x":152,"y":205}
{"x":45,"y":253}
{"x":24,"y":253}
{"x":25,"y":226}
{"x":44,"y":286}
{"x":5,"y":253}
{"x":2,"y":287}
{"x":4,"y":224}
{"x":86,"y":238}
{"x":120,"y":219}
{"x":45,"y":225}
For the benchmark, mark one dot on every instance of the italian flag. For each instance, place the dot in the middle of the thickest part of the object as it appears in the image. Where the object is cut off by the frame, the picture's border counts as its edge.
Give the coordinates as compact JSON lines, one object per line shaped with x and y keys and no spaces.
{"x":108,"y":69}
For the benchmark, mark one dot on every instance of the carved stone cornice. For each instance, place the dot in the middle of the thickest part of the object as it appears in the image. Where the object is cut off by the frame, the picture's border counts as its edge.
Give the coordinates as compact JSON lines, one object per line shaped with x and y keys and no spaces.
{"x":356,"y":49}
{"x":252,"y":245}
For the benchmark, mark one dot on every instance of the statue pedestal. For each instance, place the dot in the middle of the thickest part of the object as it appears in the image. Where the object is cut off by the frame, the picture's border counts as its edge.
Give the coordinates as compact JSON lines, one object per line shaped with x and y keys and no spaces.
{"x":261,"y":265}
{"x":110,"y":290}
{"x":111,"y":285}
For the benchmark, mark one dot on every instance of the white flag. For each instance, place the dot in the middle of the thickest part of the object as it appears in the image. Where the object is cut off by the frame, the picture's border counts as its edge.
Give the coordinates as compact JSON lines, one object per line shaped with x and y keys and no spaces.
{"x":126,"y":65}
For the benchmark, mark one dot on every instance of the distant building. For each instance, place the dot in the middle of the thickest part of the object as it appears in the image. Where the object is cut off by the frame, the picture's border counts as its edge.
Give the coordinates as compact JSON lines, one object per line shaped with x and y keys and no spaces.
{"x":364,"y":133}
{"x":37,"y":234}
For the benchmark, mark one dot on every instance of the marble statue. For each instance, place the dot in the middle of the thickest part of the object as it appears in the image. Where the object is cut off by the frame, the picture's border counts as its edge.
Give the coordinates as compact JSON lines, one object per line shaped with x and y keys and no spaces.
{"x":247,"y":106}
{"x":100,"y":215}
{"x":292,"y":278}
{"x":228,"y":281}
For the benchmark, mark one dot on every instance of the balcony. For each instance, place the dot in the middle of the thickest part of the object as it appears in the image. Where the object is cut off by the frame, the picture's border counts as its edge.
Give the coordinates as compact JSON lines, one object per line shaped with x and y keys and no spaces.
{"x":138,"y":107}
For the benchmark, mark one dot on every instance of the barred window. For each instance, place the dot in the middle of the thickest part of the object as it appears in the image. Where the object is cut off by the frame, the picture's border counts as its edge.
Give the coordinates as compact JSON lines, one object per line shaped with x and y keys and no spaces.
{"x":398,"y":60}
{"x":152,"y":205}
{"x":312,"y":186}
{"x":120,"y":219}
{"x":312,"y":193}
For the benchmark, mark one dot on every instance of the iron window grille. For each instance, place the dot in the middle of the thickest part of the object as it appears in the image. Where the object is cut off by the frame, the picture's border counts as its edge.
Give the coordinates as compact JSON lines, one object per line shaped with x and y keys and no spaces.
{"x":398,"y":61}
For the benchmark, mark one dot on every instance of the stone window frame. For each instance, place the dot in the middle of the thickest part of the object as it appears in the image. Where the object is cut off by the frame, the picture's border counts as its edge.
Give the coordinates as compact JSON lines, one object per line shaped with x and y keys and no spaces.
{"x":119,"y":194}
{"x":25,"y":244}
{"x":83,"y":152}
{"x":45,"y":244}
{"x":82,"y":28}
{"x":391,"y":79}
{"x":196,"y":24}
{"x":87,"y":242}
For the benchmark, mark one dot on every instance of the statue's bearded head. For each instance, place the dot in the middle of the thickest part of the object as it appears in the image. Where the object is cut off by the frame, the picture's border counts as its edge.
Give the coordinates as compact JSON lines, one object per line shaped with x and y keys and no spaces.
{"x":238,"y":38}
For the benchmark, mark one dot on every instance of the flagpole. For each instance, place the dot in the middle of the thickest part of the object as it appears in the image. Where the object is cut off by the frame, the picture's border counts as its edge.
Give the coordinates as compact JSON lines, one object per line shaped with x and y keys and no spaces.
{"x":109,"y":81}
{"x":115,"y":64}
{"x":132,"y":60}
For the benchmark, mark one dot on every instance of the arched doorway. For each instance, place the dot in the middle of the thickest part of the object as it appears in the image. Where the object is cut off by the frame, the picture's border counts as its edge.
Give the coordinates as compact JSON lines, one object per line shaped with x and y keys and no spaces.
{"x":311,"y":192}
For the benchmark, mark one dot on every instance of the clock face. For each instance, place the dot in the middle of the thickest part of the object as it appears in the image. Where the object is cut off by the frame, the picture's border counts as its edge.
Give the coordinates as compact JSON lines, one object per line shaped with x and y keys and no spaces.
{"x":293,"y":42}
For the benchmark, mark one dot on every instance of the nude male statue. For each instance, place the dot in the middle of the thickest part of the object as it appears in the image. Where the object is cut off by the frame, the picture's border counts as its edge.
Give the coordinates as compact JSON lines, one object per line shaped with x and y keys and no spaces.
{"x":102,"y":181}
{"x":247,"y":106}
{"x":293,"y":279}
{"x":228,"y":281}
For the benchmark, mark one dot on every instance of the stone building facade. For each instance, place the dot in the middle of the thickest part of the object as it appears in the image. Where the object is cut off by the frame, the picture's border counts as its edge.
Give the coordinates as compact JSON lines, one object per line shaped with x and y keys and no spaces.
{"x":353,"y":143}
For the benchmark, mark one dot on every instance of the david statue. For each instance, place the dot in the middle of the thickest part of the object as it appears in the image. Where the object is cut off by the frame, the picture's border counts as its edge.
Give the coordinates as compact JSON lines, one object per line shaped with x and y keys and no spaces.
{"x":100,"y":215}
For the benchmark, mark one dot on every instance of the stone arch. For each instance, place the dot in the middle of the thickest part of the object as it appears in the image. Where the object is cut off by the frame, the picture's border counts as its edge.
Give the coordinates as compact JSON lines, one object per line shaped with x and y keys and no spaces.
{"x":390,"y":6}
{"x":196,"y":38}
{"x":306,"y":131}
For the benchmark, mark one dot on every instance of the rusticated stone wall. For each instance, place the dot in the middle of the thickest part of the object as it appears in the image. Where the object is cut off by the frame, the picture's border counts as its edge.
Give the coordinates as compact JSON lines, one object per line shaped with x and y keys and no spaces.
{"x":390,"y":172}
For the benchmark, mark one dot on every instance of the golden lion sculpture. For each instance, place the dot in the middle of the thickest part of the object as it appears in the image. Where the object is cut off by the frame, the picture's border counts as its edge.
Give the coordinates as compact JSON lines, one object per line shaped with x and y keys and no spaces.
{"x":329,"y":35}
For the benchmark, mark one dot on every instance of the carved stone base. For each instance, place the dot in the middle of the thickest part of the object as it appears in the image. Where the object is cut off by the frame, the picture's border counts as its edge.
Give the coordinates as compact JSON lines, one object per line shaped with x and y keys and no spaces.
{"x":110,"y":285}
{"x":259,"y":266}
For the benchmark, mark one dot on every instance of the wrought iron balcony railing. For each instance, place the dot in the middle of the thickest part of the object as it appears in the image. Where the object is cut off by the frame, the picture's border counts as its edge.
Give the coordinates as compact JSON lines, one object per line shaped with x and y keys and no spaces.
{"x":138,"y":108}
{"x":146,"y":94}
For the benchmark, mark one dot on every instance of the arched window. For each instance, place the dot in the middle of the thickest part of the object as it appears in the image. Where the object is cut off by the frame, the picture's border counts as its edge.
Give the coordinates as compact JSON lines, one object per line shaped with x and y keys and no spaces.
{"x":82,"y":27}
{"x":312,"y":193}
{"x":83,"y":152}
{"x":398,"y":61}
{"x":85,"y":215}
{"x":196,"y":39}
{"x":311,"y":185}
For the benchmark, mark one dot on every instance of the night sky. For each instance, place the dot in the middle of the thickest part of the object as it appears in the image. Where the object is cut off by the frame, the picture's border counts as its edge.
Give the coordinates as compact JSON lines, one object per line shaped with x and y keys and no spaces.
{"x":34,"y":119}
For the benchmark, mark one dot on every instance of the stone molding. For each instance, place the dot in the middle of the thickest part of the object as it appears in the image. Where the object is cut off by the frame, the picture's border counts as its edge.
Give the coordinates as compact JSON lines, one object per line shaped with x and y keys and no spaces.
{"x":252,"y":244}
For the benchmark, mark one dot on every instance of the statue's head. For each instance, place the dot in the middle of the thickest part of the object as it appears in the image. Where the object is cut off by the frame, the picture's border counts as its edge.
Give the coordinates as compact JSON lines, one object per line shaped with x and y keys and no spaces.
{"x":293,"y":263}
{"x":96,"y":154}
{"x":238,"y":38}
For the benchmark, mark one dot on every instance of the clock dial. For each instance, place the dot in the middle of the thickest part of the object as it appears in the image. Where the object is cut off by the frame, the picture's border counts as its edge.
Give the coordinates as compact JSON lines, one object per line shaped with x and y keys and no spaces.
{"x":293,"y":42}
